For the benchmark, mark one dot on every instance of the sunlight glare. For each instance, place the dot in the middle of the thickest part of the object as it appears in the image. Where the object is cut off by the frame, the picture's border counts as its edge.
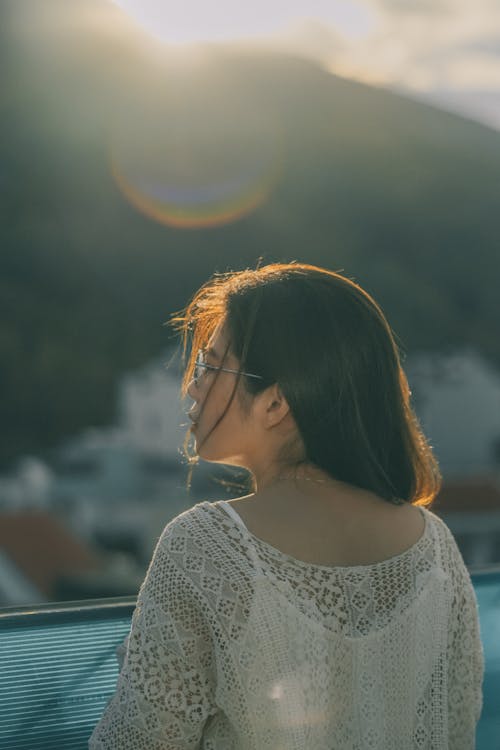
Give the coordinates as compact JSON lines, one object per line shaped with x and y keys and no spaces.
{"x":198,"y":21}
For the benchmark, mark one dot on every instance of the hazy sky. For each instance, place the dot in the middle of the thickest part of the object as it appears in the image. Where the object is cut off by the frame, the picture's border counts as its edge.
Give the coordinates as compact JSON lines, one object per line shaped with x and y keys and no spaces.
{"x":447,"y":51}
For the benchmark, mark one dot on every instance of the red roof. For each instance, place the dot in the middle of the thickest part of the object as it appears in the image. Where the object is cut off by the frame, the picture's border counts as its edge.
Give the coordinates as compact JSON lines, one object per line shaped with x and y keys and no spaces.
{"x":42,"y":547}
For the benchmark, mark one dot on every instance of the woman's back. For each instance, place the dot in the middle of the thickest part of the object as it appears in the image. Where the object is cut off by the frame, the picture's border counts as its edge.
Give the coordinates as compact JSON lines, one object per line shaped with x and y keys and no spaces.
{"x":355,"y":528}
{"x":236,"y":645}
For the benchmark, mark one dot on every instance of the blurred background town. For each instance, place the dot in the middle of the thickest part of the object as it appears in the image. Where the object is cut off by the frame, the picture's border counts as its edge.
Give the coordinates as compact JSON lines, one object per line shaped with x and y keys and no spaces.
{"x":141,"y":151}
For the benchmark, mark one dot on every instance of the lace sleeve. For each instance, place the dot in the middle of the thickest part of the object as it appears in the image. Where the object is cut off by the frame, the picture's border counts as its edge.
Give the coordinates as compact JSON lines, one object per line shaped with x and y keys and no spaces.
{"x":465,"y":662}
{"x":166,"y":687}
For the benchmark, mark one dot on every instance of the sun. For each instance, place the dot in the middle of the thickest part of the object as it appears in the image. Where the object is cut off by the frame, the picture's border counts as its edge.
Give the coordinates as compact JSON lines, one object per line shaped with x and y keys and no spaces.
{"x":192,"y":21}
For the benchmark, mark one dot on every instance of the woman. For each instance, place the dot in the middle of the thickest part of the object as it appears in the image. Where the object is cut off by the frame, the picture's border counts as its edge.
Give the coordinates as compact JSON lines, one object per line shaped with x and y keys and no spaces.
{"x":330,"y":608}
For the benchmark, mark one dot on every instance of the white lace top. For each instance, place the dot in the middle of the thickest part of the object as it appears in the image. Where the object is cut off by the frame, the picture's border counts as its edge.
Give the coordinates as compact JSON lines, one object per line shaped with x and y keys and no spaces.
{"x":235,"y":645}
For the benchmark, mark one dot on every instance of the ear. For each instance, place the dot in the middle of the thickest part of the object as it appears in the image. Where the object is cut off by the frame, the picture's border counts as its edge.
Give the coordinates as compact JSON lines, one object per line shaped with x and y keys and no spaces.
{"x":275,"y":407}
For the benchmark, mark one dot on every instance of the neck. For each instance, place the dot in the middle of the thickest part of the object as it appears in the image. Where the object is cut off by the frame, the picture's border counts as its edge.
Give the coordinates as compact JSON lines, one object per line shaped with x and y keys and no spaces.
{"x":306,"y":480}
{"x":314,"y":484}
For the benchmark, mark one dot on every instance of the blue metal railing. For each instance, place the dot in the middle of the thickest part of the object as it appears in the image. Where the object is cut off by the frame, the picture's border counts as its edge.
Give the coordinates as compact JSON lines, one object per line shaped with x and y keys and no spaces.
{"x":58,"y":667}
{"x":486,"y":582}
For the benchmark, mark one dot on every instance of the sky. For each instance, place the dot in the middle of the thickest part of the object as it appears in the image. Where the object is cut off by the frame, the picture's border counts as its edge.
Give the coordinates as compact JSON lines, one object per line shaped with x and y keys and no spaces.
{"x":443,"y":51}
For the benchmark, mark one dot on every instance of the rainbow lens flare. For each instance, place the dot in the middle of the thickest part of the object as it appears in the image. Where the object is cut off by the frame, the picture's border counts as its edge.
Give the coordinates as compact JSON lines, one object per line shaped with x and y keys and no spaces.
{"x":198,"y":166}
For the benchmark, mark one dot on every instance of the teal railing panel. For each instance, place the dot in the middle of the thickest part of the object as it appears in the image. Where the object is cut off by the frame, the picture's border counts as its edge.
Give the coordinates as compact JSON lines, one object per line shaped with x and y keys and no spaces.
{"x":57,"y":672}
{"x":487,"y":588}
{"x":58,"y":669}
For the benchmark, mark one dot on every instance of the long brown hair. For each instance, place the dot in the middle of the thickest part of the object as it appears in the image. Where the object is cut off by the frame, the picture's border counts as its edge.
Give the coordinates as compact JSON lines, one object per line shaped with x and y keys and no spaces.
{"x":328,"y":345}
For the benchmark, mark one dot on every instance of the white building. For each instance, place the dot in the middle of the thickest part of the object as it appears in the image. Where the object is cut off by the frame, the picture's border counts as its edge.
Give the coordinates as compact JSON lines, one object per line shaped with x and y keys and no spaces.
{"x":29,"y":486}
{"x":151,"y":414}
{"x":457,"y":400}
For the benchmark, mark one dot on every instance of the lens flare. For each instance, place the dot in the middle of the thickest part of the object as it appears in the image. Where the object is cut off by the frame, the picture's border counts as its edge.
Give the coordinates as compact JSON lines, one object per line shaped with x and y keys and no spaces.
{"x":196,"y":164}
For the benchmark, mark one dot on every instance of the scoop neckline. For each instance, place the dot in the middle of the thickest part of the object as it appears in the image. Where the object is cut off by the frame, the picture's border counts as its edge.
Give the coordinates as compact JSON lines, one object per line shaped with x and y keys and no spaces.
{"x":331,"y":568}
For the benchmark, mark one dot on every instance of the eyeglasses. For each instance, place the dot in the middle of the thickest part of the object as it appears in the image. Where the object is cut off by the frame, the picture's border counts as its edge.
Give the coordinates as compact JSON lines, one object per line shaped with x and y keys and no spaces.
{"x":201,"y":367}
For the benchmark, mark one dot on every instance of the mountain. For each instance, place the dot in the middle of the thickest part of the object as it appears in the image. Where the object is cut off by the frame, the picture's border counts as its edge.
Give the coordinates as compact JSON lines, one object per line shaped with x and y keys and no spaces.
{"x":131,"y":172}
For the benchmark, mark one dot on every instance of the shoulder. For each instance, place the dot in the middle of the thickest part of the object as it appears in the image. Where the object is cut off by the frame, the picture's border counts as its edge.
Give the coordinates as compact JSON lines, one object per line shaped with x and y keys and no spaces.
{"x":179,"y":558}
{"x":193,"y":524}
{"x":206,"y":544}
{"x":202,"y":530}
{"x":440,"y":525}
{"x":440,"y":534}
{"x":450,"y":553}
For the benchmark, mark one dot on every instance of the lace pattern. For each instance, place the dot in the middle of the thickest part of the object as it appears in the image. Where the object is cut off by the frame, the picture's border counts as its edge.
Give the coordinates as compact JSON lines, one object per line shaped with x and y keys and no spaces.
{"x":236,"y":646}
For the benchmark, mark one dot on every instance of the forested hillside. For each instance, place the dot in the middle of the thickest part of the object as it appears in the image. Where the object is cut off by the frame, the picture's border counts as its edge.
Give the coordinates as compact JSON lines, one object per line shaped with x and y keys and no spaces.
{"x":117,"y":162}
